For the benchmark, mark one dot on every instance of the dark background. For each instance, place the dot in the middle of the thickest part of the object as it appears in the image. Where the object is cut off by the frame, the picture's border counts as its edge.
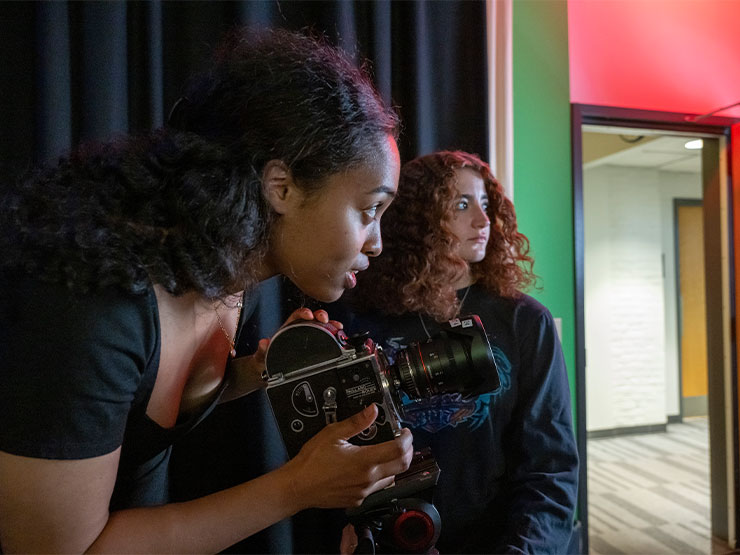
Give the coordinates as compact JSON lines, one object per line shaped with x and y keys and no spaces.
{"x":80,"y":71}
{"x":74,"y":71}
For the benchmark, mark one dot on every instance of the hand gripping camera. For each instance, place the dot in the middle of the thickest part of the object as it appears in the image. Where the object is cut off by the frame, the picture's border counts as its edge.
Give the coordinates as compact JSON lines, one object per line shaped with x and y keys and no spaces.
{"x":317,"y":375}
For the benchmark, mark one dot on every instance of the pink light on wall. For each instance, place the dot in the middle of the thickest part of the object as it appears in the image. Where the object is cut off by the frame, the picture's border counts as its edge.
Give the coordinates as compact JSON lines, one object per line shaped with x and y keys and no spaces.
{"x":667,"y":55}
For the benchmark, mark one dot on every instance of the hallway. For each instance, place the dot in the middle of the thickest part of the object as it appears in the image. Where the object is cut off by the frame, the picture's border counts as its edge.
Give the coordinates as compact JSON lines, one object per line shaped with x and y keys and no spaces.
{"x":649,"y":494}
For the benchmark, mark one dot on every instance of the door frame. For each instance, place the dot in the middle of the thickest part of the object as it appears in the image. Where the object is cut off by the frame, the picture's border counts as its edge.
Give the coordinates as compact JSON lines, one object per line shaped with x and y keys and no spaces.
{"x":719,"y":127}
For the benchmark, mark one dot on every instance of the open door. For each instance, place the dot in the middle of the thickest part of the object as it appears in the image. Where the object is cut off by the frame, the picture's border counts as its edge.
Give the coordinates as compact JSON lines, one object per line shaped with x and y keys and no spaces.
{"x":721,"y":221}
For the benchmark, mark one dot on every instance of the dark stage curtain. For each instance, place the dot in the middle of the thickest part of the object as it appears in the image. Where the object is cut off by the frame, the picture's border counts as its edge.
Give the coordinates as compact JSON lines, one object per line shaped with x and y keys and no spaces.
{"x":82,"y":71}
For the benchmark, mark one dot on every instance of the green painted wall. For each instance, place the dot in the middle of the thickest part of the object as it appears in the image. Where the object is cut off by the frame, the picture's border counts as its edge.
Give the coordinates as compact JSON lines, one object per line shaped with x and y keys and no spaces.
{"x":542,"y":156}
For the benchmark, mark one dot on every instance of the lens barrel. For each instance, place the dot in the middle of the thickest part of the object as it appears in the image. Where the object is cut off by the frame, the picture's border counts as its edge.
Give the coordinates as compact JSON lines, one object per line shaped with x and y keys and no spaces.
{"x":458,"y":359}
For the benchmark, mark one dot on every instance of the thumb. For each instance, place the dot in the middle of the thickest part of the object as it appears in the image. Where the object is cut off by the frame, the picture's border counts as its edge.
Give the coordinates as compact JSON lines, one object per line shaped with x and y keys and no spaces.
{"x":261,"y":353}
{"x":357,"y":422}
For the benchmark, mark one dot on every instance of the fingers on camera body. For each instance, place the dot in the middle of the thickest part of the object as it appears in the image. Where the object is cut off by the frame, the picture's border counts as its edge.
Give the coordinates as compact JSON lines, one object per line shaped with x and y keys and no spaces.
{"x":319,"y":315}
{"x":397,"y":451}
{"x":375,"y":466}
{"x":391,"y":457}
{"x":385,"y":460}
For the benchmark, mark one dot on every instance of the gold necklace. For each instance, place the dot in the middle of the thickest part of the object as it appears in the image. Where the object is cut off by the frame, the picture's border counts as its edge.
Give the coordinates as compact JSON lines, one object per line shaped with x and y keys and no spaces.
{"x":231,"y":340}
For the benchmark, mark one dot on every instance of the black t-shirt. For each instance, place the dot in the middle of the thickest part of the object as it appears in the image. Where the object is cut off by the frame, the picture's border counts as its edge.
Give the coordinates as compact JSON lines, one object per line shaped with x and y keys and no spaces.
{"x":76,"y":375}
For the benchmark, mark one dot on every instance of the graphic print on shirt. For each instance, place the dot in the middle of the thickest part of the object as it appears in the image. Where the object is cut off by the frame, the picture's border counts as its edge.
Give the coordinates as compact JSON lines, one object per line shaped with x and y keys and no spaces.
{"x":451,"y":409}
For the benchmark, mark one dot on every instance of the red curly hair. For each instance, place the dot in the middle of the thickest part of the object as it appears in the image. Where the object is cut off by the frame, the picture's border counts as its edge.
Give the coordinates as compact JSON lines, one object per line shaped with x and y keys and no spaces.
{"x":419,"y":267}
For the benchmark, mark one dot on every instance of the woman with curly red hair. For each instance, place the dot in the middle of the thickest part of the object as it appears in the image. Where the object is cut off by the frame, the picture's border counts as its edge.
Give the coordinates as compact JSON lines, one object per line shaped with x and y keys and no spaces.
{"x":508,"y":458}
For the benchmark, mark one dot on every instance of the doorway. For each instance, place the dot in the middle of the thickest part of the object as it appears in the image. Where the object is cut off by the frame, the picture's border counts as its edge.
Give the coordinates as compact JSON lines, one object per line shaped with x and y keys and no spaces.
{"x":628,"y":271}
{"x":643,"y":248}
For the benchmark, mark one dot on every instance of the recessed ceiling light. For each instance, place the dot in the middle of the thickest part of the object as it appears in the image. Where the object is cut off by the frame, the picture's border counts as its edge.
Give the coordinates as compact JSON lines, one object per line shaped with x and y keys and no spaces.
{"x":696,"y":144}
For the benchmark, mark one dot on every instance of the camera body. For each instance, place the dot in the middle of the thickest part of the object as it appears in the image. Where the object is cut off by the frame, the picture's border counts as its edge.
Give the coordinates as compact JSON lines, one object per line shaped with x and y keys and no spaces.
{"x":317,"y":376}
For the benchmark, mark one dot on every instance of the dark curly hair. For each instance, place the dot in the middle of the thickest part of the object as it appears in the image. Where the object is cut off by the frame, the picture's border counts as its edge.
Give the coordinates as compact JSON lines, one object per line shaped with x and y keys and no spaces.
{"x":418,"y":267}
{"x":182,"y":206}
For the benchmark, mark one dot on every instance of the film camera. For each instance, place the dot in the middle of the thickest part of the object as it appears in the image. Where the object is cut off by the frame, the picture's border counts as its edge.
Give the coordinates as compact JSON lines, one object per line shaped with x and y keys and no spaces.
{"x":317,"y":375}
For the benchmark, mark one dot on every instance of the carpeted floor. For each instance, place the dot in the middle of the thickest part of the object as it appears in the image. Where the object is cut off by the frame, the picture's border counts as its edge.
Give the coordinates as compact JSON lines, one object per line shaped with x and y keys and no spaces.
{"x":649,"y":494}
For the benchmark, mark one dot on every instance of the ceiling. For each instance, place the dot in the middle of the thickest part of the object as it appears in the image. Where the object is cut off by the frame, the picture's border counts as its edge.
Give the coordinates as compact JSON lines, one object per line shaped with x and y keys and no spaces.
{"x":666,"y":153}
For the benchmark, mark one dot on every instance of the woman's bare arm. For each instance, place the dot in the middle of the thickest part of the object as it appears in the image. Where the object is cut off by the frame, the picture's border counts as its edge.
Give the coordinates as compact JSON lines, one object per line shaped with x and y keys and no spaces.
{"x":62,"y":506}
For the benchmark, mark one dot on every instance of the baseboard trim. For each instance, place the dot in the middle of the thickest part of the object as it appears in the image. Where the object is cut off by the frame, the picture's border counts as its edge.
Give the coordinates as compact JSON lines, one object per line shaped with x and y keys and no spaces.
{"x":695,"y":406}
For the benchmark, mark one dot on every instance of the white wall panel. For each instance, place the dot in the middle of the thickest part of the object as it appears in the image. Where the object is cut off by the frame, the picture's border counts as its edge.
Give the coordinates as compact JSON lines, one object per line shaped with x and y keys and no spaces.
{"x":631,"y":358}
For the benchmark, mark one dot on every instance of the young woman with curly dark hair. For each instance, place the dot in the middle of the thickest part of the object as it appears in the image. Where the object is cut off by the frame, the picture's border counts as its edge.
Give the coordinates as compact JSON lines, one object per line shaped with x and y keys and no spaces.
{"x":508,"y":458}
{"x":123,"y":275}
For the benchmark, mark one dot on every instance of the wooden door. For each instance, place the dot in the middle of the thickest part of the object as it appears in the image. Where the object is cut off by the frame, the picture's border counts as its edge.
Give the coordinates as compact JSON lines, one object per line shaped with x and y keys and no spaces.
{"x":693,"y":301}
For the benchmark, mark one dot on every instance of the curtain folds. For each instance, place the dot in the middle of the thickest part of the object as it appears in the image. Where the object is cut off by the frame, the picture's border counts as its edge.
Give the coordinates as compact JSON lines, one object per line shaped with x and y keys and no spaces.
{"x":81,"y":71}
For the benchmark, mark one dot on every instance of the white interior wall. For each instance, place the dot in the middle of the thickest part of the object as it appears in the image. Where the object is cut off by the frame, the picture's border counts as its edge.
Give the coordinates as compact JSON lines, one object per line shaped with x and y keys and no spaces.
{"x":597,"y":254}
{"x":631,"y":333}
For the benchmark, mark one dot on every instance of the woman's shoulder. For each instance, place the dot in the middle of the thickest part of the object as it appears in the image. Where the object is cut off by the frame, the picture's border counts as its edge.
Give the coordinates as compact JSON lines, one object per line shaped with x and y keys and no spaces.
{"x":61,"y":351}
{"x":529,"y":305}
{"x":478,"y":294}
{"x":522,"y":309}
{"x":52,"y":310}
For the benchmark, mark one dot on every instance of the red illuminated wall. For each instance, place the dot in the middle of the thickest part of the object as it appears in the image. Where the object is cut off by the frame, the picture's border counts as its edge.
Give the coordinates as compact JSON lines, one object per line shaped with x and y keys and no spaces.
{"x":667,"y":55}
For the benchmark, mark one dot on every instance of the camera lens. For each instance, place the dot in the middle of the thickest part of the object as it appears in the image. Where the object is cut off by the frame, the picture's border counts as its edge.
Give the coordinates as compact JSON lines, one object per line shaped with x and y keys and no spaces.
{"x":457,"y":359}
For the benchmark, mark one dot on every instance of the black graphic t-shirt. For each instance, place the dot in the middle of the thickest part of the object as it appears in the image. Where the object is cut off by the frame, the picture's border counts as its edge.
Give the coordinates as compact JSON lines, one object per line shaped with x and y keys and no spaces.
{"x":508,"y":459}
